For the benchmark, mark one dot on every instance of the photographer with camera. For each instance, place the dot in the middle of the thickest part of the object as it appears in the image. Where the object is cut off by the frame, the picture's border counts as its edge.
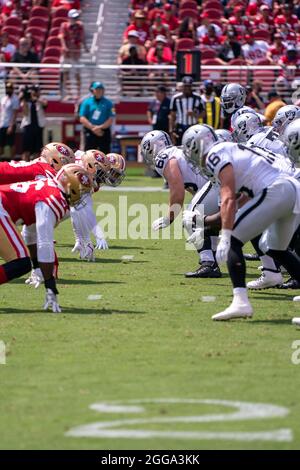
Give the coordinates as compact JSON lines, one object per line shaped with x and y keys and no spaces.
{"x":9,"y":106}
{"x":33,"y":122}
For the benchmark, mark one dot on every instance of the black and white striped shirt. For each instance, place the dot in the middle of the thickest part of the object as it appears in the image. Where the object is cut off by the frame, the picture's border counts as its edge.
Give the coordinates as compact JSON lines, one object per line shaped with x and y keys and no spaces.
{"x":181,"y":105}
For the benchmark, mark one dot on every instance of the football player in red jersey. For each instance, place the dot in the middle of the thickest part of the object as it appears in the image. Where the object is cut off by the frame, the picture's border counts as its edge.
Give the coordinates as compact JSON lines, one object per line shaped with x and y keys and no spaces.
{"x":40,"y":205}
{"x":53,"y":157}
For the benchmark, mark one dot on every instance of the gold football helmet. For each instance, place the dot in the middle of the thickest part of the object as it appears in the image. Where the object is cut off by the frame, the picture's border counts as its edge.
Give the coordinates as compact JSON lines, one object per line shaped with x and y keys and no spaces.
{"x":117,"y":169}
{"x":57,"y":155}
{"x":96,"y":163}
{"x":75,"y":182}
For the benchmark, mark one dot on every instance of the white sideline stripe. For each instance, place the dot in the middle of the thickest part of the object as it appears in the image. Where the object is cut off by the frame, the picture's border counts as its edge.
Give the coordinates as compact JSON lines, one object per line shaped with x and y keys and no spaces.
{"x":107,"y":408}
{"x":135,"y":189}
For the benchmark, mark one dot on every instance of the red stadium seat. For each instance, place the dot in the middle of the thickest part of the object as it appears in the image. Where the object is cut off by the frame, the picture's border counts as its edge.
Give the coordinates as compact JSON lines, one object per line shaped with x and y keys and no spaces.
{"x":50,"y":60}
{"x":14,"y":21}
{"x":40,"y":11}
{"x":214,"y":14}
{"x":56,"y":22}
{"x":213,"y":61}
{"x":188,"y":4}
{"x":237,"y":76}
{"x":188,"y":13}
{"x":60,"y":13}
{"x":38,"y":21}
{"x":36,"y":31}
{"x":185,"y":44}
{"x":208,"y":54}
{"x":12,"y":31}
{"x":52,"y":51}
{"x":54,"y":31}
{"x":237,"y":62}
{"x":53,"y":41}
{"x":212,"y":4}
{"x":266,"y":77}
{"x":264,"y":62}
{"x":261,"y":35}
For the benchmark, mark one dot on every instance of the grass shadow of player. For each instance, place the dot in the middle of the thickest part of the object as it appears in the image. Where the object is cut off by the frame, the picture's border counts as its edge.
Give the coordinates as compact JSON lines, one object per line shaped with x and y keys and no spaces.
{"x":71,"y":311}
{"x":100,"y":261}
{"x":86,"y":282}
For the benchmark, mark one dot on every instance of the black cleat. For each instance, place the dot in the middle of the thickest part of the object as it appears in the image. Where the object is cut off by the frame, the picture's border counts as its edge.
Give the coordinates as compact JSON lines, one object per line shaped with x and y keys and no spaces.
{"x":290,"y":284}
{"x":251,"y":257}
{"x":206,"y":270}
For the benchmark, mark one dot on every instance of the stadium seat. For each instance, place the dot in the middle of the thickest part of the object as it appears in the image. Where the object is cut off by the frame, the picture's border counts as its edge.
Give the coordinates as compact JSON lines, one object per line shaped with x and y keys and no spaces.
{"x":40,"y":11}
{"x":54,"y":31}
{"x":208,"y":54}
{"x":60,"y":13}
{"x":237,"y":62}
{"x":12,"y":31}
{"x":213,"y":61}
{"x":212,"y":5}
{"x":53,"y":41}
{"x":56,"y":22}
{"x":214,"y":14}
{"x":14,"y":21}
{"x":39,"y":21}
{"x":264,"y":62}
{"x":262,"y":35}
{"x":188,"y":4}
{"x":237,"y":76}
{"x":266,"y":77}
{"x":185,"y":44}
{"x":50,"y":60}
{"x":188,"y":13}
{"x":36,"y":31}
{"x":52,"y":51}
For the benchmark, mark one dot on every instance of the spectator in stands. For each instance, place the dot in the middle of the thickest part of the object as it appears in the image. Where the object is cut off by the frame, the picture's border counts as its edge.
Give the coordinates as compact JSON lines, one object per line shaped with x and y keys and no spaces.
{"x":188,"y":29}
{"x":133,"y":40}
{"x":96,"y":115}
{"x":254,"y":98}
{"x":275,"y":103}
{"x":170,"y":19}
{"x":154,"y":9}
{"x":288,"y":17}
{"x":72,"y":37}
{"x":7,"y":47}
{"x":3,"y":70}
{"x":254,"y":51}
{"x":186,"y":109}
{"x":203,"y":29}
{"x":231,"y":48}
{"x":133,"y":58}
{"x":159,"y":28}
{"x":264,"y":20}
{"x":239,"y":20}
{"x":211,"y":40}
{"x":159,"y":110}
{"x":9,"y":106}
{"x":161,"y":53}
{"x":212,"y":106}
{"x":23,"y":55}
{"x":290,"y":57}
{"x":276,"y":50}
{"x":34,"y":45}
{"x":67,"y":4}
{"x":33,"y":122}
{"x":139,"y":24}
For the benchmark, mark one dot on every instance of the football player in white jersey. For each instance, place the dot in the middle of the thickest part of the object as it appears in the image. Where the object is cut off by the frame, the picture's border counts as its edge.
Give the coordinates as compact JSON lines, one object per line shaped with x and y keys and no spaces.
{"x":233,"y":97}
{"x":169,"y":161}
{"x":284,"y":116}
{"x":273,"y":210}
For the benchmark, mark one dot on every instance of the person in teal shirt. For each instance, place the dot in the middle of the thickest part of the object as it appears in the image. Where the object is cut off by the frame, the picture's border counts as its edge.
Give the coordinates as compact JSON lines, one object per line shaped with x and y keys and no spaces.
{"x":96,"y":115}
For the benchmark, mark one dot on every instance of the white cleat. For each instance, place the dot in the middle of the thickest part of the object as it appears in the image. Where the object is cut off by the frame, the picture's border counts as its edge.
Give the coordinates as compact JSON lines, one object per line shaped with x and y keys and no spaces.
{"x":267,"y":280}
{"x":296,"y":321}
{"x":297,"y":298}
{"x":235,"y":310}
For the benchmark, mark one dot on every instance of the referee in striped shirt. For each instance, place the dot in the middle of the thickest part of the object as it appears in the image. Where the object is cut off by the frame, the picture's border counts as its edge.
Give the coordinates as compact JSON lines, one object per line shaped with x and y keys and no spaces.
{"x":186,"y":109}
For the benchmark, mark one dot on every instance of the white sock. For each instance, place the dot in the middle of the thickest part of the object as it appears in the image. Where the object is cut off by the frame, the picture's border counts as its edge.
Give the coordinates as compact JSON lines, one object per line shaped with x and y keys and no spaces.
{"x":206,"y":255}
{"x":241,"y":294}
{"x":214,"y":242}
{"x":268,"y":263}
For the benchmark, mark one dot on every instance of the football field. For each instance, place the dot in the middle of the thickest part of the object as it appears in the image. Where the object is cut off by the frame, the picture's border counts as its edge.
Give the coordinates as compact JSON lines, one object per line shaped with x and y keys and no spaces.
{"x":134,"y":361}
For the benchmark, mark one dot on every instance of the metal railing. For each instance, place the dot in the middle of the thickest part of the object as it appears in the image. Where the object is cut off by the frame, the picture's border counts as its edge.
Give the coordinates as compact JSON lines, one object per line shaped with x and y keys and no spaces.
{"x":140,"y":82}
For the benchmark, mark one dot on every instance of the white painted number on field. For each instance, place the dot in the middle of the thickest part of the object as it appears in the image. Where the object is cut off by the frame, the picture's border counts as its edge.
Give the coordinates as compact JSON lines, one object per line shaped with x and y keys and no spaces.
{"x":2,"y":353}
{"x":124,"y":428}
{"x":296,"y":354}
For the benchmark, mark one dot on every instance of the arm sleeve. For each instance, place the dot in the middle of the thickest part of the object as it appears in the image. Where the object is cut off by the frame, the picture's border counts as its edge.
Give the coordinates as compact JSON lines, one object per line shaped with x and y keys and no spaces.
{"x":83,"y":220}
{"x":29,"y":234}
{"x":45,"y":223}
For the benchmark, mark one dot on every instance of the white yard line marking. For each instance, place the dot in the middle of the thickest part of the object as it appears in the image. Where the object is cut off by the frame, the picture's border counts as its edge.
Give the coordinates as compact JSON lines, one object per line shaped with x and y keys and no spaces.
{"x":95,"y":297}
{"x":135,"y":189}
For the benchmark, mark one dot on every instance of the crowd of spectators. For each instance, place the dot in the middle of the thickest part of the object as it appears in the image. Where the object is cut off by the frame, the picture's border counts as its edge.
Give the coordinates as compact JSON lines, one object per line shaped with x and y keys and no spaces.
{"x":254,"y":32}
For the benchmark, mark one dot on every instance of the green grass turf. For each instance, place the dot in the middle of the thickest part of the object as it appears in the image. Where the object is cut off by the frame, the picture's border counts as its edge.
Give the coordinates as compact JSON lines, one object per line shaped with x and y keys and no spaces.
{"x":150,"y":336}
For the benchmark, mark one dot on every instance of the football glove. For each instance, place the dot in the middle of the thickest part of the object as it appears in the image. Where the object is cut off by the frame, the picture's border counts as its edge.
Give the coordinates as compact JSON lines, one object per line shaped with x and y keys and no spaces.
{"x":197,"y":238}
{"x":101,"y":244}
{"x":51,"y":302}
{"x":88,"y":252}
{"x":35,"y":279}
{"x":160,"y":223}
{"x":223,"y":246}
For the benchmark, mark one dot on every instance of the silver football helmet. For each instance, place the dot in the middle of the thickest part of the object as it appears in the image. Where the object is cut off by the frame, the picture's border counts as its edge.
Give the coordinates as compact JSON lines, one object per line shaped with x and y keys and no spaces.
{"x":245,"y":126}
{"x":291,"y":138}
{"x":224,"y":135}
{"x":152,"y":143}
{"x":233,"y":97}
{"x":284,"y":116}
{"x":197,"y":142}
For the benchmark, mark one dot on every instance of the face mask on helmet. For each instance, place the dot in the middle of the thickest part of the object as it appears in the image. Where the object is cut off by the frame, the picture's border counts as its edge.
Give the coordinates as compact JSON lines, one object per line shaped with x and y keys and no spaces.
{"x":57,"y":154}
{"x":75,"y":182}
{"x":233,"y":97}
{"x":284,"y":116}
{"x":224,"y":135}
{"x":291,"y":138}
{"x":152,"y":143}
{"x":96,"y":163}
{"x":246,"y":125}
{"x":116,"y":173}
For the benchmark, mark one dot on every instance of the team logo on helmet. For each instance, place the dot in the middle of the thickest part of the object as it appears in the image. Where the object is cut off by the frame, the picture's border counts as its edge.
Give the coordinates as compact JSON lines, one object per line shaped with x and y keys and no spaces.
{"x":63,"y":150}
{"x":84,"y":179}
{"x":100,"y":158}
{"x":112,"y":159}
